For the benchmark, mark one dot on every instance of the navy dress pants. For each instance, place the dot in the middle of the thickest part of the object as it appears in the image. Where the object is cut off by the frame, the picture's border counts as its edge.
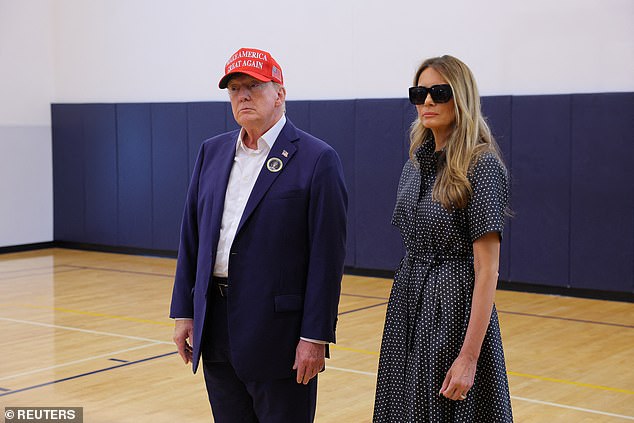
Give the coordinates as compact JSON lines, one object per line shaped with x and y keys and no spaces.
{"x":238,"y":401}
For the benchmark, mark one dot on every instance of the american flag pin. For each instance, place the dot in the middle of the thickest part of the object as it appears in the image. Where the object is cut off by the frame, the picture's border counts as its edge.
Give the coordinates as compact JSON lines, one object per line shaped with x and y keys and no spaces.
{"x":285,"y":153}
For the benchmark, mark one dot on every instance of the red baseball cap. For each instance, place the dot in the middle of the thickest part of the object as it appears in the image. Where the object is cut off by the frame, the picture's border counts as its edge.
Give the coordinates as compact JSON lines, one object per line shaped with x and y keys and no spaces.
{"x":256,"y":63}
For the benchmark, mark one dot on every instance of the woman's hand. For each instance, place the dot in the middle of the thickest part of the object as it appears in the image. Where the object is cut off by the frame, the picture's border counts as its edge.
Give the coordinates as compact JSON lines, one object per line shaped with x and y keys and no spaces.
{"x":459,"y":378}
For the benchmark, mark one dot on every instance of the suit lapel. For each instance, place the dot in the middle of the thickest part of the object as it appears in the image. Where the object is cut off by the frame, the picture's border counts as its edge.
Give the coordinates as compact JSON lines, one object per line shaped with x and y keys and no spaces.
{"x":223,"y":162}
{"x":283,"y":150}
{"x":224,"y":166}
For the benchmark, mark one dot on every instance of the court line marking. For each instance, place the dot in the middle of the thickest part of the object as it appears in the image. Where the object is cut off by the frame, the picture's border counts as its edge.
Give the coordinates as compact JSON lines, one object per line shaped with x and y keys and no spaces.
{"x":499,"y":311}
{"x":52,"y":270}
{"x":156,"y":342}
{"x":94,"y":314}
{"x":30,"y":275}
{"x":29,"y":269}
{"x":110,"y":269}
{"x":94,"y":332}
{"x":563,"y":381}
{"x":518,"y":313}
{"x":28,"y":388}
{"x":343,"y":294}
{"x":570,"y":407}
{"x":334,"y":346}
{"x":570,"y":382}
{"x":153,"y":322}
{"x":567,"y":319}
{"x":362,"y":308}
{"x":356,"y":350}
{"x":350,"y":371}
{"x":552,"y":404}
{"x":510,"y":373}
{"x":70,"y":363}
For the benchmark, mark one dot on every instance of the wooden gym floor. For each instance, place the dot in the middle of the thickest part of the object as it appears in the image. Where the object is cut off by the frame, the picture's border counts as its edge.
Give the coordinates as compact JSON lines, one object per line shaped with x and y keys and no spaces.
{"x":86,"y":329}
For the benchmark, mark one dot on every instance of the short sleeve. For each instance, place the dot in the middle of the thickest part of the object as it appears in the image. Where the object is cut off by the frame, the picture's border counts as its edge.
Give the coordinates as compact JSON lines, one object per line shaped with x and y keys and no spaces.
{"x":404,"y":197}
{"x":489,"y":200}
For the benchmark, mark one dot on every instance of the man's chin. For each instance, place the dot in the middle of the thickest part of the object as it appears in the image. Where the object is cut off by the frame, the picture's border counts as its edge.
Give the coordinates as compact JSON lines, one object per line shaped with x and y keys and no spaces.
{"x":244,"y":118}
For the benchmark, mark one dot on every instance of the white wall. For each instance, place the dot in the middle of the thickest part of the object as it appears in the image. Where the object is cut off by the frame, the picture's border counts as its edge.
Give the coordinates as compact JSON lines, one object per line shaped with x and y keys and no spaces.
{"x":26,"y":90}
{"x":149,"y":50}
{"x":165,"y":50}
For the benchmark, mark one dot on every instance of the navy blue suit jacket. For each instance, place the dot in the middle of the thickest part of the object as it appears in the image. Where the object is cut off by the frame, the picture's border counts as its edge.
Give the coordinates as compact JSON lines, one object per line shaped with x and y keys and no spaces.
{"x":286,"y":261}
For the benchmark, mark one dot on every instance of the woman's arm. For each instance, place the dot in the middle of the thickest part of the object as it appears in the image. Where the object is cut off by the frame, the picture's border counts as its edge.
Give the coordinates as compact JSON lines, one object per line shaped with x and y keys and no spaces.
{"x":486,"y":254}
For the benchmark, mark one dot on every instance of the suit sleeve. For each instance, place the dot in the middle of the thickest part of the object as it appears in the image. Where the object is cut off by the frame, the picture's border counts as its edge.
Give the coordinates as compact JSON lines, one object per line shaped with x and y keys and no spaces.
{"x":185,"y":279}
{"x":327,"y":240}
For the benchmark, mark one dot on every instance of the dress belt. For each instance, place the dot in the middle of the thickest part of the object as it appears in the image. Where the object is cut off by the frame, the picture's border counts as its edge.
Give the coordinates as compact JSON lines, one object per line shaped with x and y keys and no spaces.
{"x":220,"y":285}
{"x":431,"y":258}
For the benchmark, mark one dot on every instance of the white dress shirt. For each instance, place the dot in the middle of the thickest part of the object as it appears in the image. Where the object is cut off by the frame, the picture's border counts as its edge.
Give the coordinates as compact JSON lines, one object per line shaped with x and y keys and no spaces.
{"x":247,"y":164}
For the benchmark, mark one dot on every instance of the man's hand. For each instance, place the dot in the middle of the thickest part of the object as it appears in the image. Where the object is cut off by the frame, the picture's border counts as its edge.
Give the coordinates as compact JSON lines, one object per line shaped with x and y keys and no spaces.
{"x":184,"y":330}
{"x":309,"y":360}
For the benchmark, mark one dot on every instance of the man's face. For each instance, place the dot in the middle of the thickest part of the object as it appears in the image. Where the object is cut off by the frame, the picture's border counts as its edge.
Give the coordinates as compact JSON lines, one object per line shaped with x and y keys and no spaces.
{"x":255,"y":103}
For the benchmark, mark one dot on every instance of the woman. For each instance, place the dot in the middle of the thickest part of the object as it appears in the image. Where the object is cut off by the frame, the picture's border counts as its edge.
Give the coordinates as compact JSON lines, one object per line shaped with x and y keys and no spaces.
{"x":441,"y":354}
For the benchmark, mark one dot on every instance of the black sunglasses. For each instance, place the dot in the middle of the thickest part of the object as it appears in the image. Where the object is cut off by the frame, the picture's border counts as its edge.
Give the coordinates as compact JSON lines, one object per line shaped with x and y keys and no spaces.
{"x":439,"y":93}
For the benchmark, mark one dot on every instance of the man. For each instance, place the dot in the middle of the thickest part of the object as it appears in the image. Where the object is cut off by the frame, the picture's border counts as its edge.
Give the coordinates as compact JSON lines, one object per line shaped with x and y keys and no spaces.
{"x":261,"y":255}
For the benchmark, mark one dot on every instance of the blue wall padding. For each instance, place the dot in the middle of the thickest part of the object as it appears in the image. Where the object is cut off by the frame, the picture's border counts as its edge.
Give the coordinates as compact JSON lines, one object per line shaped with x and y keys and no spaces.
{"x":100,"y":171}
{"x":120,"y":175}
{"x":497,"y":110}
{"x":203,"y":120}
{"x":134,"y":152}
{"x":170,"y":172}
{"x":230,"y":122}
{"x":541,"y":185}
{"x":379,"y":153}
{"x":602,"y":192}
{"x":299,"y":113}
{"x":409,"y":115}
{"x":68,"y":172}
{"x":333,"y":121}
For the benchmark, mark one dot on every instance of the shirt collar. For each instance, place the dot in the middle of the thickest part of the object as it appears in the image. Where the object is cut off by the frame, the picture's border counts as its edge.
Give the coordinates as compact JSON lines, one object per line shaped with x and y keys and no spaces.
{"x":267,"y":139}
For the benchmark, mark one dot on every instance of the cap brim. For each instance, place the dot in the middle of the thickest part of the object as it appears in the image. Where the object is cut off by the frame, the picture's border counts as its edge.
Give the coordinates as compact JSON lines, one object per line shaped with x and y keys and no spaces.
{"x":225,"y":79}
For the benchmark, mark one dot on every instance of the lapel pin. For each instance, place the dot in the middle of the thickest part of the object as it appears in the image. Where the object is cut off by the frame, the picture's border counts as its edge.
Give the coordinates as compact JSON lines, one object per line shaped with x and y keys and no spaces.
{"x":274,"y":164}
{"x":285,"y":153}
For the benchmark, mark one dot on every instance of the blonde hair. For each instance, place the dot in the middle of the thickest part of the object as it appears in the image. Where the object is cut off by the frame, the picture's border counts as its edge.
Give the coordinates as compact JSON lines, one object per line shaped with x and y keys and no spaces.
{"x":469,"y":137}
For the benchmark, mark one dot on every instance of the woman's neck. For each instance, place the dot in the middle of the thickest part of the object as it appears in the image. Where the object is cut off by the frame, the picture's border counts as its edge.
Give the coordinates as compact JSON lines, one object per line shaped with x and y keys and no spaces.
{"x":440,"y":138}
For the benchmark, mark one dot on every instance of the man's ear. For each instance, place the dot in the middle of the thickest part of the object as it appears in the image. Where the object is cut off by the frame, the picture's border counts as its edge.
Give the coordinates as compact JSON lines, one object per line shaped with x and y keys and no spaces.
{"x":281,"y":95}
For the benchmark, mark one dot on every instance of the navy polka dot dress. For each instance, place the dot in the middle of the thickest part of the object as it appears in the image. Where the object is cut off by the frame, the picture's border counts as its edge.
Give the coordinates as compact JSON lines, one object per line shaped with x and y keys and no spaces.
{"x":428,"y":310}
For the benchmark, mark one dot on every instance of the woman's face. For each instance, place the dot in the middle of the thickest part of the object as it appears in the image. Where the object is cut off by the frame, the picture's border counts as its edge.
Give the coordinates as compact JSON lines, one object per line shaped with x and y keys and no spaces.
{"x":439,"y":117}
